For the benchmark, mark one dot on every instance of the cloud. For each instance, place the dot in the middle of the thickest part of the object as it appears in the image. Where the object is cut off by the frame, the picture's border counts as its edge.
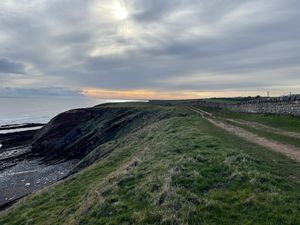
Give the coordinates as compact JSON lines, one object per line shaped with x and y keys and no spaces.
{"x":9,"y":66}
{"x":166,"y":46}
{"x":44,"y":91}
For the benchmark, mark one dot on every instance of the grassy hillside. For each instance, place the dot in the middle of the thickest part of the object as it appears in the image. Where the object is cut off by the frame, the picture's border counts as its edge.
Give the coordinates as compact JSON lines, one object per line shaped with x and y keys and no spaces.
{"x":179,"y":169}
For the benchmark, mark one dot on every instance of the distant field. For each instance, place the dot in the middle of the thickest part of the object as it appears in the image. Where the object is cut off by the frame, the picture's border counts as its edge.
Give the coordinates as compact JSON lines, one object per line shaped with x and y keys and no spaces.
{"x":179,"y":170}
{"x":224,"y":100}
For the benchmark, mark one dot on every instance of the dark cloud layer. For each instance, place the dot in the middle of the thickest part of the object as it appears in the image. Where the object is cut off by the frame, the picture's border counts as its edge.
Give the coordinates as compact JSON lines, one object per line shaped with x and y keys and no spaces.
{"x":171,"y":45}
{"x":8,"y":66}
{"x":48,"y":91}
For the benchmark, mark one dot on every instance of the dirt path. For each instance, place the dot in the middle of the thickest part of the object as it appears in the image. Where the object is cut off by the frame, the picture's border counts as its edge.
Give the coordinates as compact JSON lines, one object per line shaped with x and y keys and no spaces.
{"x":288,"y":150}
{"x":260,"y":126}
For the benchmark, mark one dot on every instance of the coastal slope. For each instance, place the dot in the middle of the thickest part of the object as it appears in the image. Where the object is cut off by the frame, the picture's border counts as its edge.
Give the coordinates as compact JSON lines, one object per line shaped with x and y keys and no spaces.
{"x":164,"y":165}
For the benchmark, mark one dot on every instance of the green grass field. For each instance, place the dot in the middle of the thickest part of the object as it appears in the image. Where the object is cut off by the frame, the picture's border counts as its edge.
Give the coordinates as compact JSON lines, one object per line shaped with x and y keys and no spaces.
{"x":288,"y":123}
{"x":180,"y":170}
{"x":224,"y":100}
{"x":284,"y":123}
{"x":270,"y":135}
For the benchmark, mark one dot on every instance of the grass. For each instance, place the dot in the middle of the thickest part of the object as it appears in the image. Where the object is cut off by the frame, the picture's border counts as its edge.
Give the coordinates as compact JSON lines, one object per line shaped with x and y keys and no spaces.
{"x":224,"y":100}
{"x":285,"y":123}
{"x":270,"y":135}
{"x":180,"y":170}
{"x":288,"y":123}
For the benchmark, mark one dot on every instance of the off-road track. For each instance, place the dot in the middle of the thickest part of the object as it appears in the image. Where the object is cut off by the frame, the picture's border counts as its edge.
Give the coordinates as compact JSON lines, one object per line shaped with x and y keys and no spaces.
{"x":288,"y":150}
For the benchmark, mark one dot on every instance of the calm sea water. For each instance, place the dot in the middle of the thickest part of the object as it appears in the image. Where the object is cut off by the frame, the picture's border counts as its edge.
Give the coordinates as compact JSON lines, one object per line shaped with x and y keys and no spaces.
{"x":18,"y":110}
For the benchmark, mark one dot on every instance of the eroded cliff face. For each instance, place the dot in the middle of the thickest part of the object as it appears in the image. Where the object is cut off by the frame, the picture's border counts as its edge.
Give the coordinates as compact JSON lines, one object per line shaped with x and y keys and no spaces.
{"x":69,"y":143}
{"x":75,"y":133}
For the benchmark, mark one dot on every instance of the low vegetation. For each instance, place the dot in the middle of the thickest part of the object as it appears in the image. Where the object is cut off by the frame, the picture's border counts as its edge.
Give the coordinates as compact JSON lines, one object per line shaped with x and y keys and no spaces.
{"x":177,"y":170}
{"x":288,"y":123}
{"x":269,"y":134}
{"x":283,"y":129}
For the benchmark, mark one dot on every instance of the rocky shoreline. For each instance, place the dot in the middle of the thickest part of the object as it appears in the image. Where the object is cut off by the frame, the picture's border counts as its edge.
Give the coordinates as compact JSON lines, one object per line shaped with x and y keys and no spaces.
{"x":17,"y":126}
{"x":33,"y":159}
{"x":22,"y":173}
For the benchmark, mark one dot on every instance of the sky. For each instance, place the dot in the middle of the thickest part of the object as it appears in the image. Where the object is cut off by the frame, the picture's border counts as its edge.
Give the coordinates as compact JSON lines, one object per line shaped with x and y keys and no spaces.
{"x":141,"y":49}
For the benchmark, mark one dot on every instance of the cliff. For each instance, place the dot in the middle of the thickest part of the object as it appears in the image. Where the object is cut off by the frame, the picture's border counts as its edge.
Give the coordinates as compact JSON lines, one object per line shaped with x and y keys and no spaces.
{"x":75,"y":133}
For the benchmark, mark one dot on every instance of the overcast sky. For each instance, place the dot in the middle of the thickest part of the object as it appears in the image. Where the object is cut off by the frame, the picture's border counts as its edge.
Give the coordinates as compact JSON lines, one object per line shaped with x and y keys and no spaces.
{"x":149,"y":48}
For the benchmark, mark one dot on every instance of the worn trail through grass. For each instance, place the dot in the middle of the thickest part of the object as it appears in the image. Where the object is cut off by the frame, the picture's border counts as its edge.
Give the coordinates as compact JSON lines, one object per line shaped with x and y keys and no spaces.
{"x":291,"y":151}
{"x":260,"y":126}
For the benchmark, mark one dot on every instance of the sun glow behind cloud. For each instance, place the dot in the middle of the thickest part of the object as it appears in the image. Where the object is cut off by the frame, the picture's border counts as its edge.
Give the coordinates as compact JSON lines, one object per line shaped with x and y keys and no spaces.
{"x":151,"y":48}
{"x":110,"y":11}
{"x":119,"y":10}
{"x":115,"y":28}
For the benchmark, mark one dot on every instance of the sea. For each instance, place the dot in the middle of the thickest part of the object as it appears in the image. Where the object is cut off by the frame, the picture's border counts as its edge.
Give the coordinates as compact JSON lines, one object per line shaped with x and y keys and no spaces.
{"x":23,"y":110}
